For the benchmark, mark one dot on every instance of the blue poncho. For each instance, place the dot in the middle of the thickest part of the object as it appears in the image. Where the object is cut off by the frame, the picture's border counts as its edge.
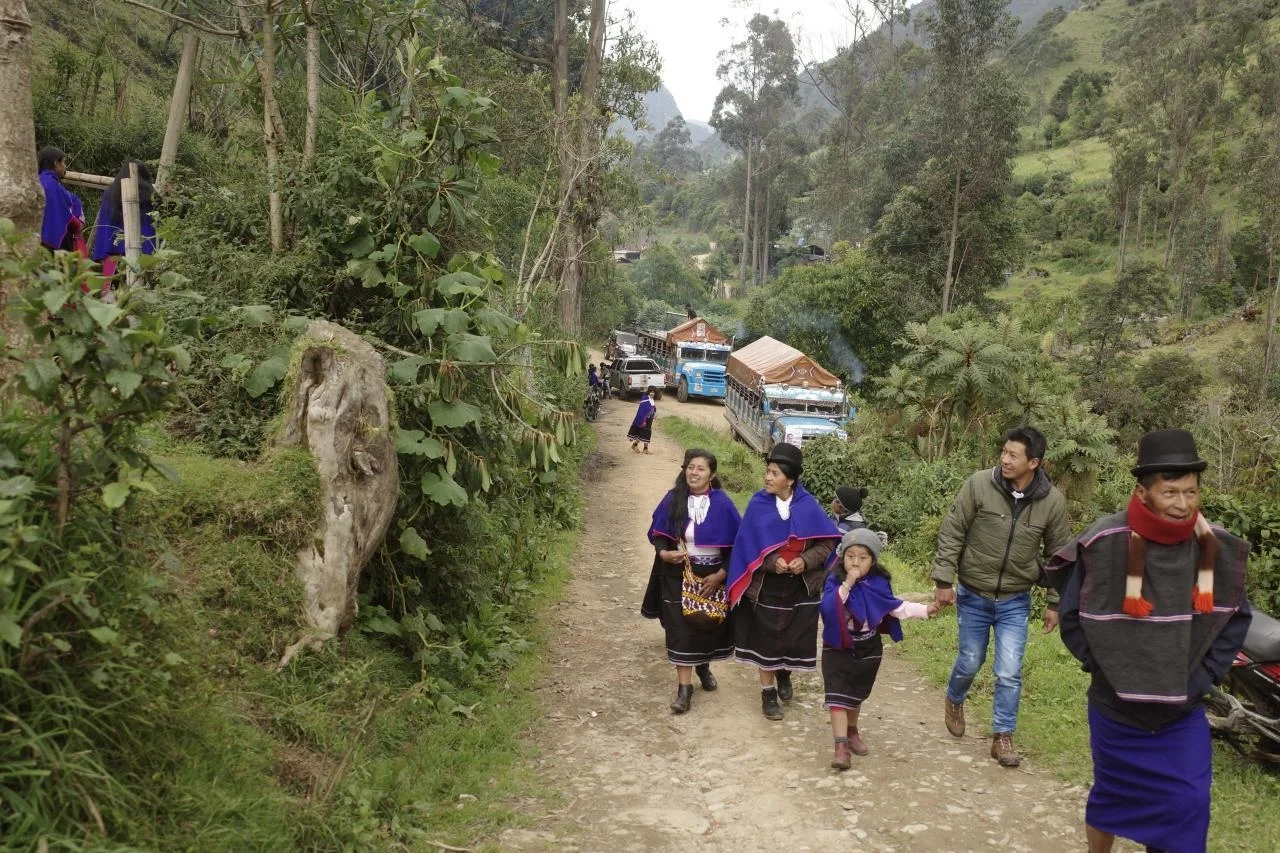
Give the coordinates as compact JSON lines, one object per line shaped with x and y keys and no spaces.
{"x":764,"y":531}
{"x":870,"y":602}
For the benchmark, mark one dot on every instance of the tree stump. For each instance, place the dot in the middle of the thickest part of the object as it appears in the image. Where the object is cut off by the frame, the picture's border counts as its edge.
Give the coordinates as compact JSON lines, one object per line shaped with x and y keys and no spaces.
{"x":339,"y":410}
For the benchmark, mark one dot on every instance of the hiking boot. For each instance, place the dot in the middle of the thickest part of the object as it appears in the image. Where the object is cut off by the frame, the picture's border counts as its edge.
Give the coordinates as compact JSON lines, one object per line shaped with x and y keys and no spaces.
{"x":785,"y":690}
{"x":708,"y":680}
{"x":954,"y":716}
{"x":1002,"y":749}
{"x":856,"y":744}
{"x":769,"y":703}
{"x":684,"y":698}
{"x":840,"y":759}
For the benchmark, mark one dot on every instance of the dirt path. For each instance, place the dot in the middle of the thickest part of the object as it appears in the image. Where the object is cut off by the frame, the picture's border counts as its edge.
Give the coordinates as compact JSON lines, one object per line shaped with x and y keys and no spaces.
{"x":722,"y":777}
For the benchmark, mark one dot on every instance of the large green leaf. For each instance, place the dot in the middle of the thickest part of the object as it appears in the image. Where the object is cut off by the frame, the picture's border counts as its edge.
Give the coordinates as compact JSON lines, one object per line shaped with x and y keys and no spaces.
{"x":16,"y":487}
{"x":266,"y":375}
{"x":412,"y":543}
{"x":460,"y":282}
{"x":406,"y":370}
{"x":254,"y":315}
{"x":417,"y":443}
{"x":443,"y":489}
{"x":102,"y":313}
{"x":10,"y":630}
{"x":447,"y":414}
{"x":426,"y":243}
{"x":468,"y":347}
{"x":40,"y":374}
{"x":125,"y":382}
{"x":115,"y":494}
{"x":428,"y":320}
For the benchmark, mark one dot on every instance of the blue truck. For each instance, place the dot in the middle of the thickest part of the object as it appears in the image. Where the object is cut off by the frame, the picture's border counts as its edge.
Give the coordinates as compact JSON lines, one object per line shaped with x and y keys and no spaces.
{"x":777,"y":393}
{"x":692,"y":356}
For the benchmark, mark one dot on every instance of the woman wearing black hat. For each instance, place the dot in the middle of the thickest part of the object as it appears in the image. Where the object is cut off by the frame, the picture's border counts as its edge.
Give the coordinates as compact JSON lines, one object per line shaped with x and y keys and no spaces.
{"x":776,"y":570}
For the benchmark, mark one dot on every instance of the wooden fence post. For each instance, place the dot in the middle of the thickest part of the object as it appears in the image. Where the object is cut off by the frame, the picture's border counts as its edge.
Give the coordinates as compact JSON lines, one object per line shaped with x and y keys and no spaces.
{"x":132,"y":224}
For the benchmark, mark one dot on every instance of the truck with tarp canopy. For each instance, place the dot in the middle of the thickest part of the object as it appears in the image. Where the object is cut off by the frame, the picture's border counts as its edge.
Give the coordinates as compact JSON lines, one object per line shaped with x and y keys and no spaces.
{"x":775,"y":393}
{"x":692,"y":357}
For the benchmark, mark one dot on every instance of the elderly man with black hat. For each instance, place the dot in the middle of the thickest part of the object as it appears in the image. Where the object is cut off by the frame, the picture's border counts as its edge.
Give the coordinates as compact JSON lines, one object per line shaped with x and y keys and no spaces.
{"x":776,"y":571}
{"x":1153,"y":605}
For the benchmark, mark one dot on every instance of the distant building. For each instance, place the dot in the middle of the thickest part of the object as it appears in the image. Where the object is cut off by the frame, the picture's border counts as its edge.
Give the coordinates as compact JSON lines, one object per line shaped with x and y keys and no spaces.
{"x":626,"y":256}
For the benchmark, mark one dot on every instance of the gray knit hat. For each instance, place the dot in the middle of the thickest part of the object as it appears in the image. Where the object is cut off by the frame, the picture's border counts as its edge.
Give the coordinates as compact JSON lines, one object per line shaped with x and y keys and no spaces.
{"x":864,"y":536}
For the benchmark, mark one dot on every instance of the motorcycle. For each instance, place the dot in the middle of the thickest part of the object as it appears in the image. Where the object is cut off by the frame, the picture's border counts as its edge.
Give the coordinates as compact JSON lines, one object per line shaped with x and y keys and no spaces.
{"x":1245,"y":711}
{"x":592,"y":406}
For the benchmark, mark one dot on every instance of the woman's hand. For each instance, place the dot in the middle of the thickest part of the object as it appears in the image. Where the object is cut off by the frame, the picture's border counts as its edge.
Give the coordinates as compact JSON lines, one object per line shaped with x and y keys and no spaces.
{"x":671,"y":557}
{"x":713,"y":582}
{"x":796,"y":566}
{"x":780,"y":566}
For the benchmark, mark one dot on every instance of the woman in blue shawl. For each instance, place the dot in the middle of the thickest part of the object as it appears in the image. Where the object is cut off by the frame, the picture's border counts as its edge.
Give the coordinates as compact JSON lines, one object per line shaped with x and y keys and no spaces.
{"x":776,"y":571}
{"x":108,"y":230}
{"x":641,"y":431}
{"x":63,"y":212}
{"x":698,"y":522}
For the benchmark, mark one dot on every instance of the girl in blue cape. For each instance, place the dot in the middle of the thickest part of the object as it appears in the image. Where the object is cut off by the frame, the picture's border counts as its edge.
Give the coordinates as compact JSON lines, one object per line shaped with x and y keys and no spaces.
{"x":63,"y":221}
{"x":698,"y":522}
{"x":775,"y":578}
{"x":858,"y":605}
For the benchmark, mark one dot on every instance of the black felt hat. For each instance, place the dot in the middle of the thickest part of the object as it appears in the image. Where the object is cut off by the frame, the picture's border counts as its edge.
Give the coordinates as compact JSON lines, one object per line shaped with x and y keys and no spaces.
{"x":1170,"y":450}
{"x":850,"y":497}
{"x":787,"y":456}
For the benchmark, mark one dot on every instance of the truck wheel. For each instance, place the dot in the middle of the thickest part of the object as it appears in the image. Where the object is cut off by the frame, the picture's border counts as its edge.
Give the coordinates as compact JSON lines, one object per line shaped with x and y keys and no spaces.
{"x":659,"y":394}
{"x":682,"y":390}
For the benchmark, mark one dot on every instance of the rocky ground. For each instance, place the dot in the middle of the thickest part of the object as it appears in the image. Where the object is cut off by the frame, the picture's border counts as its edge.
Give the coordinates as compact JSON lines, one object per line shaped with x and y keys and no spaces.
{"x":636,"y":777}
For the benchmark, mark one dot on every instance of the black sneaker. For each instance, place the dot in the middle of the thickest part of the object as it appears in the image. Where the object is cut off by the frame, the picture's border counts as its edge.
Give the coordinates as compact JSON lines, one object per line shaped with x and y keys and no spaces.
{"x":769,"y":703}
{"x":785,"y":690}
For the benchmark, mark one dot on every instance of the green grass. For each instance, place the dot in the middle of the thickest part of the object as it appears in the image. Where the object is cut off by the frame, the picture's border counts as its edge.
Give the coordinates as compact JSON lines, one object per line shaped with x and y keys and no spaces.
{"x":1087,"y":160}
{"x":738,"y":466}
{"x":1088,"y":28}
{"x":350,"y":747}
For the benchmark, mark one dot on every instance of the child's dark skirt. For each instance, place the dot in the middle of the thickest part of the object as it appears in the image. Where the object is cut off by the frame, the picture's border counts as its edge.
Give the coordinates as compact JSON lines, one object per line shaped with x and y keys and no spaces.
{"x":849,"y":674}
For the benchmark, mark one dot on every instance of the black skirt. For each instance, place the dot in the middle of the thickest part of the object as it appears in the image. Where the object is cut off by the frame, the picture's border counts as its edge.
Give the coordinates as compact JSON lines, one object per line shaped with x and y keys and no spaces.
{"x":779,"y":630}
{"x":641,"y":433}
{"x":686,"y":644}
{"x":849,"y":674}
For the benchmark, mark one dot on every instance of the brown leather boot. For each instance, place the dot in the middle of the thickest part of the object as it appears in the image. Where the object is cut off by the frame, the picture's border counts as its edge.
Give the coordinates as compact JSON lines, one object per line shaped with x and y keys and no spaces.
{"x":840,"y":760}
{"x":1002,"y":749}
{"x":856,"y":744}
{"x":954,"y":716}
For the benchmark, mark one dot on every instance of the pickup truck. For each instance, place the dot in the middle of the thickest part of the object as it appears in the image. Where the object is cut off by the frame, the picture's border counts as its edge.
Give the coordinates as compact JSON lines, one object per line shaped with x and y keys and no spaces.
{"x":635,"y":375}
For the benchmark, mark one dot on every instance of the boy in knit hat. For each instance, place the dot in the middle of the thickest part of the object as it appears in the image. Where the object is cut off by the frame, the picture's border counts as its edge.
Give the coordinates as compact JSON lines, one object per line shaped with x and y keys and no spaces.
{"x":858,"y":605}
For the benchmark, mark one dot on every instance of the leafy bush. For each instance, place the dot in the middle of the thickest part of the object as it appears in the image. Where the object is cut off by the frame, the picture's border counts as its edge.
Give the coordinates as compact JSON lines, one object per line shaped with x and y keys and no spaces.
{"x":1257,"y":520}
{"x":79,"y":677}
{"x":829,"y":461}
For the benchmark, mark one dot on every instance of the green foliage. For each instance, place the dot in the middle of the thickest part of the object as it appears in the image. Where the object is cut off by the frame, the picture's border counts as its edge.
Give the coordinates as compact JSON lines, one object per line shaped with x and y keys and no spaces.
{"x":829,"y":461}
{"x":845,"y":314}
{"x":79,"y":675}
{"x":661,"y":274}
{"x":1257,"y":520}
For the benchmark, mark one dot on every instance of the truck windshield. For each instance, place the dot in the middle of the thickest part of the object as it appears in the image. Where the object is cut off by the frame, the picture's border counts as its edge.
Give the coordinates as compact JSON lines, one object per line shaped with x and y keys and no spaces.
{"x":700,"y":354}
{"x":812,"y":407}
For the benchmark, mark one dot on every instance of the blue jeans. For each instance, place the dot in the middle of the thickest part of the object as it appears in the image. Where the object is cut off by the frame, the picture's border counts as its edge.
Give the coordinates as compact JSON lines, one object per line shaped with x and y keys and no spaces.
{"x":977,"y":617}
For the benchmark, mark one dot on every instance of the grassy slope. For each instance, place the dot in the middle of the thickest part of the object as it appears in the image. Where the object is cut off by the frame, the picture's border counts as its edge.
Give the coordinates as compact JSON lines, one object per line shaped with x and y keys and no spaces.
{"x":345,"y":749}
{"x":1052,"y":730}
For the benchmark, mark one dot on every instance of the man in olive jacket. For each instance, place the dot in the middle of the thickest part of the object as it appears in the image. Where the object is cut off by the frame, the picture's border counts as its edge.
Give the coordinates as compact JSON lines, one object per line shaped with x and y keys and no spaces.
{"x":991,"y":546}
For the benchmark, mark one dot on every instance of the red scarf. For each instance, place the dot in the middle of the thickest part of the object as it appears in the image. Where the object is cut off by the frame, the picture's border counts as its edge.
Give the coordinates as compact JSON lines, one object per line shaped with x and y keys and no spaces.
{"x":1147,"y":526}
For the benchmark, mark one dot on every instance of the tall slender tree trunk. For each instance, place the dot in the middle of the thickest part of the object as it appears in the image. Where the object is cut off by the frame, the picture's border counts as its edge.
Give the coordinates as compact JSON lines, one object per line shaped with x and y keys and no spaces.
{"x":1142,"y":195}
{"x":765,"y":243}
{"x":1273,"y":305}
{"x":583,"y":143}
{"x":1124,"y":228}
{"x":272,"y":123}
{"x":313,"y":82}
{"x":21,"y":199}
{"x":746,"y":219}
{"x":178,"y":108}
{"x":951,"y":249}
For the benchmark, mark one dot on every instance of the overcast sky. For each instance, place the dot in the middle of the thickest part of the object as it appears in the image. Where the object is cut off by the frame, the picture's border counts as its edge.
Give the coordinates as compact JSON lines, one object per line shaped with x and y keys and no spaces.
{"x":689,"y":37}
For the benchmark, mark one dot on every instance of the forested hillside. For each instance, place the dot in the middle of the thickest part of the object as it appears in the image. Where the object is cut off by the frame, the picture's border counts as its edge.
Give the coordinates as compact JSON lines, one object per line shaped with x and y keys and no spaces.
{"x":1072,"y":221}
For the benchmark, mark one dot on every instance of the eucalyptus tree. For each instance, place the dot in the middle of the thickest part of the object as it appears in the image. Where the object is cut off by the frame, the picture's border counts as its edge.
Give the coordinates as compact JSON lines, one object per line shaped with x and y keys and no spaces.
{"x":21,"y":200}
{"x":759,"y":73}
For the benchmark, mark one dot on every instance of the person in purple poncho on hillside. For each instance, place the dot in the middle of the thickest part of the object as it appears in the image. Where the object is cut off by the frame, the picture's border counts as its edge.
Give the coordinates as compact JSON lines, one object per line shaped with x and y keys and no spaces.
{"x":858,"y":605}
{"x":776,"y":571}
{"x":63,"y":211}
{"x":108,"y":230}
{"x":696,"y":523}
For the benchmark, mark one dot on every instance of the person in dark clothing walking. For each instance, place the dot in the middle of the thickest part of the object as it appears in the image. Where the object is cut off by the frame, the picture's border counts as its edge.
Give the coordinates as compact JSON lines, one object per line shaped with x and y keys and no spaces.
{"x":1153,"y":606}
{"x":988,"y":558}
